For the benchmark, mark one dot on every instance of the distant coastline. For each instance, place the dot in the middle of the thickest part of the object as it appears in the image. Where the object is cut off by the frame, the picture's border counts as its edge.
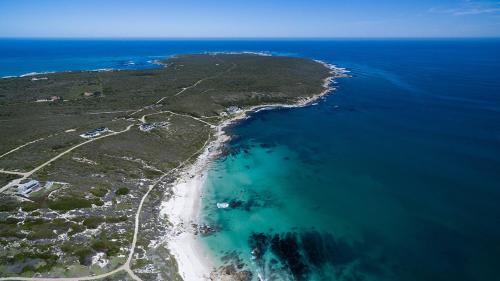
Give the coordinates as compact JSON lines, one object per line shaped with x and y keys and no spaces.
{"x":158,"y":62}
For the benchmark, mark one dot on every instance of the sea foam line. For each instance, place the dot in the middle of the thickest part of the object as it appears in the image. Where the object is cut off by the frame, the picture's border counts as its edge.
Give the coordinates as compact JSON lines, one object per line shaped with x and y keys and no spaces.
{"x":129,"y":63}
{"x":29,"y":74}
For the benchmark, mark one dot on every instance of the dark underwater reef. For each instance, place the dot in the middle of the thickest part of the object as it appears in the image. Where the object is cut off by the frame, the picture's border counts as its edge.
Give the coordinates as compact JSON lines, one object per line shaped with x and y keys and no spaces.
{"x":302,"y":254}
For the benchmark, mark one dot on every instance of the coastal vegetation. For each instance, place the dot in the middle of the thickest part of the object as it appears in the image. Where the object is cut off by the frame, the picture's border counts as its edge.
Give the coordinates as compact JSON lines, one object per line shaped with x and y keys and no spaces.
{"x":79,"y":219}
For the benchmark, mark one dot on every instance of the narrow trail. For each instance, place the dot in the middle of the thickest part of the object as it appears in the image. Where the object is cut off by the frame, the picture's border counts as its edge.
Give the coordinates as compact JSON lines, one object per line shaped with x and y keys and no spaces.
{"x":12,"y":173}
{"x":21,"y":146}
{"x":27,"y":174}
{"x":143,"y":118}
{"x":192,"y":117}
{"x":77,"y":146}
{"x":198,"y":82}
{"x":104,"y":275}
{"x":183,"y":90}
{"x":110,"y":112}
{"x":165,"y":97}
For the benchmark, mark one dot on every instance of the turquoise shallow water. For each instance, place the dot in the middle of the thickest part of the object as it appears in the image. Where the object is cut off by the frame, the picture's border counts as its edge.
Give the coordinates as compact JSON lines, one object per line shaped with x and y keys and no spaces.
{"x":269,"y":182}
{"x":395,"y":176}
{"x":282,"y":192}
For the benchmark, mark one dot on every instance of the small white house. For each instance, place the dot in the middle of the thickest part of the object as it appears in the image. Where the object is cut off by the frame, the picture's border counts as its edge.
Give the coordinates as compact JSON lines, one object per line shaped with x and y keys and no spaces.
{"x":89,"y":135}
{"x":27,"y":188}
{"x":94,"y":133}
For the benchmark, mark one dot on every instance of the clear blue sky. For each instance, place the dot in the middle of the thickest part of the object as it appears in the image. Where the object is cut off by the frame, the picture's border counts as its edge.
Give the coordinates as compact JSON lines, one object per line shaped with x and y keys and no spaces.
{"x":252,"y":18}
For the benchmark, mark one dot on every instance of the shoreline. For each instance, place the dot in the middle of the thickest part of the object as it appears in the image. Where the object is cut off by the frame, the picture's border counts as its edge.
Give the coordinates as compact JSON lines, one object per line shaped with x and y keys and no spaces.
{"x":183,"y":209}
{"x":34,"y":74}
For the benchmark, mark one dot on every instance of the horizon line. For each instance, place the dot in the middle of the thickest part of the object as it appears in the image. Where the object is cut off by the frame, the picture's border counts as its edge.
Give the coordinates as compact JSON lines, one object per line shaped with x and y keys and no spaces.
{"x":251,"y":38}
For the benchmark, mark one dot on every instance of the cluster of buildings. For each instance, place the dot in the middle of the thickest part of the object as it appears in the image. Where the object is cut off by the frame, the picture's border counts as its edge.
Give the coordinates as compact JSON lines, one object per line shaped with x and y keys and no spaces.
{"x":233,"y":109}
{"x":94,"y":133}
{"x":25,"y":189}
{"x":230,"y":110}
{"x":146,"y":127}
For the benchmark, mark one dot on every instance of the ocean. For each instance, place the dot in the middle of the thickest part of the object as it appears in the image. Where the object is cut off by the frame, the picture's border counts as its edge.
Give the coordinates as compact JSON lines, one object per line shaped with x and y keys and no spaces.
{"x":395,"y":175}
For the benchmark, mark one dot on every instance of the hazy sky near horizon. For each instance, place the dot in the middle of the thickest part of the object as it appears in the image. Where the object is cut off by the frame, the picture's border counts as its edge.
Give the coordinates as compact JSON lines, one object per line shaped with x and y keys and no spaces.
{"x":255,"y":18}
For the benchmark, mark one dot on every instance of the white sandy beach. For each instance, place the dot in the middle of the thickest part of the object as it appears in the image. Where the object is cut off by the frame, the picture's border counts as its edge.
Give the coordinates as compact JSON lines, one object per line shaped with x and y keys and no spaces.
{"x":194,"y":260}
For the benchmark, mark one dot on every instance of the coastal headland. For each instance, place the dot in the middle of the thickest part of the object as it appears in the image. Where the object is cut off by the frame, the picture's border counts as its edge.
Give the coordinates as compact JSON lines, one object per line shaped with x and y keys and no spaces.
{"x":101,"y":171}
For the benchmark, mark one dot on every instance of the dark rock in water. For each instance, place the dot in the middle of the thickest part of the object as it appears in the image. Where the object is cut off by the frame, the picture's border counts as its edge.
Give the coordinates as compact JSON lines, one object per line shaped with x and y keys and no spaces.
{"x":240,"y":265}
{"x":321,"y":249}
{"x":259,"y":243}
{"x":299,"y":252}
{"x":237,"y":149}
{"x":205,"y":229}
{"x":228,"y":269}
{"x":231,"y":257}
{"x":233,"y":269}
{"x":266,"y":145}
{"x":257,"y":201}
{"x":235,"y":203}
{"x":314,"y":248}
{"x":244,"y":275}
{"x":229,"y":272}
{"x":286,"y":248}
{"x":231,"y":204}
{"x":249,"y":204}
{"x":225,"y":151}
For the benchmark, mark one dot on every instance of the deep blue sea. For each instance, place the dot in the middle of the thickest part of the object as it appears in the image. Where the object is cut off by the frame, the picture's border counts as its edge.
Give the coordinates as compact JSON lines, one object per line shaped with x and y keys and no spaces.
{"x":394,"y":176}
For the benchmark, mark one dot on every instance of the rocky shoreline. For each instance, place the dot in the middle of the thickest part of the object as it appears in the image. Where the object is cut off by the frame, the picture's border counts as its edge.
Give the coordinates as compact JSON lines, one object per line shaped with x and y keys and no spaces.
{"x":182,"y":210}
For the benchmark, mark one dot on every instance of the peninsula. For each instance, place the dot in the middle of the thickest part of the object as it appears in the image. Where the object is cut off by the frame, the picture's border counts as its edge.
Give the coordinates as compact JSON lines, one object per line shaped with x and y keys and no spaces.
{"x":87,"y":158}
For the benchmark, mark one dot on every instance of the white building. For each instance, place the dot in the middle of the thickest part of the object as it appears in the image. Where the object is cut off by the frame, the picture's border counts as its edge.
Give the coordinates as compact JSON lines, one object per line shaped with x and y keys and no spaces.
{"x":28,"y":187}
{"x":89,"y":135}
{"x":94,"y":133}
